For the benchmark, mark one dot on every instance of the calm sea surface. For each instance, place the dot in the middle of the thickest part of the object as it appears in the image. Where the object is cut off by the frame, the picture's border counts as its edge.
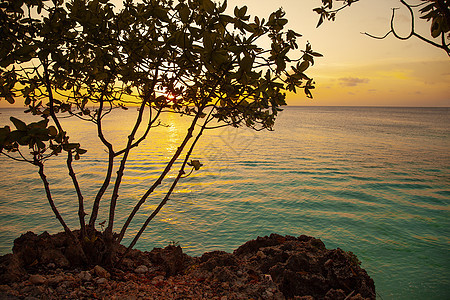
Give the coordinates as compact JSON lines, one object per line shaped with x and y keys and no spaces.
{"x":375,"y":181}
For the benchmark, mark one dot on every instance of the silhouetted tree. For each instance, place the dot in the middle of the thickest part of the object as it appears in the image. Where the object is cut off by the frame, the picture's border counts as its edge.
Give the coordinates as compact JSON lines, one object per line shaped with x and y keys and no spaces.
{"x":188,"y":58}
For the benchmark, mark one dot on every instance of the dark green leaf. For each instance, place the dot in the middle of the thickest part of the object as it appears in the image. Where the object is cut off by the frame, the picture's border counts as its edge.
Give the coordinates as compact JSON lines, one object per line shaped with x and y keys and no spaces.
{"x":52,"y":131}
{"x":184,"y":13}
{"x":316,"y":54}
{"x":320,"y":21}
{"x":10,"y":99}
{"x":81,"y":151}
{"x":303,"y":66}
{"x":161,"y":14}
{"x":223,"y":7}
{"x":40,"y":124}
{"x":246,"y":63}
{"x":227,"y":19}
{"x":40,"y":144}
{"x":248,"y":27}
{"x":4,"y":134}
{"x":70,"y":146}
{"x":19,"y":124}
{"x":435,"y":28}
{"x":196,"y":164}
{"x":242,"y":12}
{"x":209,"y":6}
{"x":208,"y":41}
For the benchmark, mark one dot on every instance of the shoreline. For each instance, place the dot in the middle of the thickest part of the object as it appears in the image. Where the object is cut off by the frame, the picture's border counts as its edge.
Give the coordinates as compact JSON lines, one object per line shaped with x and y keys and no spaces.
{"x":270,"y":267}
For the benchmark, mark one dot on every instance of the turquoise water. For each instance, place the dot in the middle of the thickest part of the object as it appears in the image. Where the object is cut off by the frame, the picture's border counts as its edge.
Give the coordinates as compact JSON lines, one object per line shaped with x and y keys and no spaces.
{"x":375,"y":181}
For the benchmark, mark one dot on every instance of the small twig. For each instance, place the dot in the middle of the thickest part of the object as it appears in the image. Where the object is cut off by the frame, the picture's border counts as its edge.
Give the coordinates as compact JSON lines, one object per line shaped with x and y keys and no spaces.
{"x":188,"y":173}
{"x":412,"y":32}
{"x":349,"y":295}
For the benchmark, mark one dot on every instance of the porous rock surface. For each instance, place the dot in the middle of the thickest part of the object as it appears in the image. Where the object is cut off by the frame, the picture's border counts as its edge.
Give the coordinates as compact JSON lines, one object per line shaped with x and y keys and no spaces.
{"x":271,"y":267}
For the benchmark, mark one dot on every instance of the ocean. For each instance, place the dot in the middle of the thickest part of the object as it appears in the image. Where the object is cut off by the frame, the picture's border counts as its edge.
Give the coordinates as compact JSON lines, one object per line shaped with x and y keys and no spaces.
{"x":371,"y":180}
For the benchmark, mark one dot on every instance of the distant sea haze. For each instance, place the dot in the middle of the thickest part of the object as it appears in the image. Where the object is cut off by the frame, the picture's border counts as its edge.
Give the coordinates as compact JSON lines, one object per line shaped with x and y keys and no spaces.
{"x":371,"y":180}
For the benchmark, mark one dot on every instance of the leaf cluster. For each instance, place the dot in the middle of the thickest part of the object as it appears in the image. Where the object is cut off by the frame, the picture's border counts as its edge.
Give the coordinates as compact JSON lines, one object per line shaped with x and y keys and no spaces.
{"x":326,"y":11}
{"x":439,"y":13}
{"x":39,"y":137}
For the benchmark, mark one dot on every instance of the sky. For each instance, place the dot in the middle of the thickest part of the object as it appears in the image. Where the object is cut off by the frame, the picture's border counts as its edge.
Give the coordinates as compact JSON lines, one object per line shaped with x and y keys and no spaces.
{"x":356,"y":70}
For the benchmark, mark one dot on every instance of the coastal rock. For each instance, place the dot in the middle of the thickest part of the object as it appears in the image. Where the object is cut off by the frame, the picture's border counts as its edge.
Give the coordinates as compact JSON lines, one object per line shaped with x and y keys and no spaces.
{"x":55,"y":280}
{"x":84,"y":276}
{"x":11,"y":269}
{"x":101,"y":280}
{"x":58,"y":250}
{"x":101,"y":272}
{"x":303,"y":266}
{"x":272,"y":267}
{"x":37,"y":279}
{"x":141,"y":269}
{"x":171,"y":259}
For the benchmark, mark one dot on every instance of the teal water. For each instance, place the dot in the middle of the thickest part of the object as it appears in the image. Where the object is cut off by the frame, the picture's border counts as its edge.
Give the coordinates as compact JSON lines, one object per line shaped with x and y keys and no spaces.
{"x":375,"y":181}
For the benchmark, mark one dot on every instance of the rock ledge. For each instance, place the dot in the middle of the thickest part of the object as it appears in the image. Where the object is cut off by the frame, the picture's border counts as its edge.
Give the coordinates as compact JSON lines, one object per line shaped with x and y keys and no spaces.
{"x":271,"y":267}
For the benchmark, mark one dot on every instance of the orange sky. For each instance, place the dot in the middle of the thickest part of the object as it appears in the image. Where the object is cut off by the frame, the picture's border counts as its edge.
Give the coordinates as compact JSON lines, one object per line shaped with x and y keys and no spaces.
{"x":358,"y":70}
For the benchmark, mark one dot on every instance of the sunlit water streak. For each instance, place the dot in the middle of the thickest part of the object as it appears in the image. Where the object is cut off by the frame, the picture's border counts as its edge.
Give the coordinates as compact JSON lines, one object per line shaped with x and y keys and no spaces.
{"x":375,"y":181}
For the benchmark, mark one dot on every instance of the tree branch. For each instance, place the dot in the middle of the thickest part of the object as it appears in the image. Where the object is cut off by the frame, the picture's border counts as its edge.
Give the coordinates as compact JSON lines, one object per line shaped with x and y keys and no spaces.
{"x":50,"y":199}
{"x":109,"y":170}
{"x":159,"y":180}
{"x":81,"y":213}
{"x":181,"y":172}
{"x":443,"y":45}
{"x":120,"y":172}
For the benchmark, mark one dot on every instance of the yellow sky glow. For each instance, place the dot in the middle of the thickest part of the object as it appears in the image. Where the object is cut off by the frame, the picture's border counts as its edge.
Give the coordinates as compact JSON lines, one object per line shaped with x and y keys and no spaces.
{"x":356,"y":69}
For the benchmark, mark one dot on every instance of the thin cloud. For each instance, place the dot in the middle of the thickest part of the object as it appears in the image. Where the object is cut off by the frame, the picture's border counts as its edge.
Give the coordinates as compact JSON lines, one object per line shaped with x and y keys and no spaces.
{"x":352,"y":81}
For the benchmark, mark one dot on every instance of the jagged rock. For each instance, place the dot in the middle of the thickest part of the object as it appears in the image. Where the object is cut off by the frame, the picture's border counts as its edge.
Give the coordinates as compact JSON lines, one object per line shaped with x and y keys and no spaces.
{"x":85,"y":276}
{"x":141,"y":269}
{"x":37,"y":279}
{"x":335,"y":295}
{"x":55,"y":280}
{"x":101,"y":272}
{"x":303,"y":266}
{"x":48,"y":249}
{"x":74,"y":253}
{"x":128,"y":263}
{"x":272,"y":267}
{"x":11,"y":269}
{"x":55,"y":257}
{"x":172,"y":259}
{"x":101,"y":280}
{"x":210,"y":260}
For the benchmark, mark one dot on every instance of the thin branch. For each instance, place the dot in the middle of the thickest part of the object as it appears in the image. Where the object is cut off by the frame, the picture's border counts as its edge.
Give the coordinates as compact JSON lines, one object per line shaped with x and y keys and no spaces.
{"x":81,"y":213}
{"x":159,"y":180}
{"x":50,"y":199}
{"x":109,"y":170}
{"x":144,"y":135}
{"x":443,"y":45}
{"x":166,"y":198}
{"x":15,"y":158}
{"x":377,"y":37}
{"x":120,"y":172}
{"x":167,"y":169}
